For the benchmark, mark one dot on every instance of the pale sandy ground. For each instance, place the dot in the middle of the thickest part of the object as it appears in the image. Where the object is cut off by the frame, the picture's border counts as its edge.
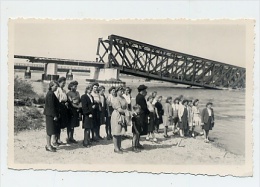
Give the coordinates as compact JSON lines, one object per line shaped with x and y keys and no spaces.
{"x":29,"y":148}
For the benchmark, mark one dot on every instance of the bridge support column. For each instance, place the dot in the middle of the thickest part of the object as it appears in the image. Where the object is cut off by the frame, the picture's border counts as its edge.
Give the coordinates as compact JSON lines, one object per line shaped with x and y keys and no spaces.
{"x":50,"y":72}
{"x":108,"y":74}
{"x":69,"y":75}
{"x":94,"y":72}
{"x":27,"y":73}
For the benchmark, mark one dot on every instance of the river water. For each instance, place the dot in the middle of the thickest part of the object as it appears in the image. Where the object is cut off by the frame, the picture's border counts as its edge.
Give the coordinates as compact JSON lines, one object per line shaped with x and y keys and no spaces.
{"x":229,"y":106}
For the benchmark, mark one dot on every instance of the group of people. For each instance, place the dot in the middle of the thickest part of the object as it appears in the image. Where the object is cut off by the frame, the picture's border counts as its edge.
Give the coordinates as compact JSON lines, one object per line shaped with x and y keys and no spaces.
{"x":67,"y":109}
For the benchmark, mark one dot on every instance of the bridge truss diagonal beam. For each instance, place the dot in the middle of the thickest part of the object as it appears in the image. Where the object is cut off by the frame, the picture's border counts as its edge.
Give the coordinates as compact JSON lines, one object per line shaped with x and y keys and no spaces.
{"x":145,"y":60}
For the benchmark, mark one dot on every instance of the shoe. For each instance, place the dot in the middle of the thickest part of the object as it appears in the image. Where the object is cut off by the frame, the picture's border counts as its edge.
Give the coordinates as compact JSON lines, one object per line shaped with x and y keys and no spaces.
{"x":99,"y":137}
{"x":140,"y":146}
{"x":165,"y":136}
{"x":73,"y":141}
{"x":86,"y":145}
{"x":108,"y":138}
{"x":118,"y":151}
{"x":51,"y":149}
{"x":155,"y":139}
{"x":55,"y":144}
{"x":55,"y":148}
{"x":94,"y":140}
{"x":68,"y":141}
{"x":136,"y":150}
{"x":123,"y":150}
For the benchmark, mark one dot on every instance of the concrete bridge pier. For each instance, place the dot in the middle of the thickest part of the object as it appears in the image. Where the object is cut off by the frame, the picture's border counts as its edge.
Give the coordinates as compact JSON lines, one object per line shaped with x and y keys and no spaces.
{"x":69,"y":75}
{"x":105,"y":76}
{"x":94,"y":72}
{"x":27,"y":73}
{"x":50,"y":72}
{"x":108,"y":74}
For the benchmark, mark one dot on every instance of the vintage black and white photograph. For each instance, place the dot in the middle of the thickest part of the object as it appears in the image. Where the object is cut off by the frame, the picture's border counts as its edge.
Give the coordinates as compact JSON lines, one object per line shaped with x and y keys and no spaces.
{"x":131,"y":95}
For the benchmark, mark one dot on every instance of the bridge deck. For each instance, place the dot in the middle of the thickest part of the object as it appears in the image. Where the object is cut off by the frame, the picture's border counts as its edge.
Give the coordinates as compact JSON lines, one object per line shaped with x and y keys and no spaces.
{"x":62,"y":68}
{"x":68,"y":62}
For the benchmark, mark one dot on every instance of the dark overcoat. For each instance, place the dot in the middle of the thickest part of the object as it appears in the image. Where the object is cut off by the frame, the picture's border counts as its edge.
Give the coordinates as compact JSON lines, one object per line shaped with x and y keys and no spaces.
{"x":51,"y":110}
{"x":140,"y":100}
{"x":87,"y":109}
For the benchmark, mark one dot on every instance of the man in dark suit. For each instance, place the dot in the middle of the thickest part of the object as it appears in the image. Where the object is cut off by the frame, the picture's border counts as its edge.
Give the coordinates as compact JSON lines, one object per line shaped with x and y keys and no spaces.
{"x":140,"y":100}
{"x":88,"y":106}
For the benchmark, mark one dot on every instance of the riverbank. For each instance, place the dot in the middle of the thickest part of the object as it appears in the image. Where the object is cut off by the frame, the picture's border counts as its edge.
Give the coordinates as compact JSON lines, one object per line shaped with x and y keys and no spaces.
{"x":29,"y":149}
{"x":228,"y":133}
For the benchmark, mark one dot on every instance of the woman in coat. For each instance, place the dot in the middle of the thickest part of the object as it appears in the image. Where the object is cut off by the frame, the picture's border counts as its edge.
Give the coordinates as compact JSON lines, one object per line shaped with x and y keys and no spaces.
{"x":88,"y":106}
{"x":51,"y":111}
{"x":207,"y":119}
{"x":118,"y":119}
{"x":158,"y":113}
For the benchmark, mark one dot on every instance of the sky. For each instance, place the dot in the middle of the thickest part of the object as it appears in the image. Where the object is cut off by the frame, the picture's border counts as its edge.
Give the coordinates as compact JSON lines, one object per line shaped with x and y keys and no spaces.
{"x":78,"y":40}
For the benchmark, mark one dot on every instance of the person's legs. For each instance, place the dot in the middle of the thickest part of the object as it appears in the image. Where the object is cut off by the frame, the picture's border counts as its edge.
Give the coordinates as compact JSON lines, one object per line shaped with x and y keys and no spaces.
{"x":153,"y":136}
{"x":134,"y":141}
{"x":181,"y":132}
{"x":69,"y":134}
{"x":192,"y":131}
{"x":72,"y":134}
{"x":207,"y":135}
{"x":139,"y":145}
{"x":148,"y":136}
{"x":173,"y":127}
{"x":106,"y":128}
{"x":166,"y":131}
{"x":48,"y":140}
{"x":115,"y":141}
{"x":85,"y":140}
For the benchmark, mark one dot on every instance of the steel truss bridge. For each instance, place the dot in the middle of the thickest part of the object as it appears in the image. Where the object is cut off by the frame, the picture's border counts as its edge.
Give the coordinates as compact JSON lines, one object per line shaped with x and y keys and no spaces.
{"x":152,"y":62}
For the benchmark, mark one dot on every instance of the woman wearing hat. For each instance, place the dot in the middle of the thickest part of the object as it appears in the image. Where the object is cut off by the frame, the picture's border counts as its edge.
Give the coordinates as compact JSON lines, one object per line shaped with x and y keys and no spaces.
{"x":140,"y":100}
{"x":74,"y":98}
{"x":118,"y":121}
{"x":207,"y":119}
{"x":51,"y":111}
{"x":63,"y":108}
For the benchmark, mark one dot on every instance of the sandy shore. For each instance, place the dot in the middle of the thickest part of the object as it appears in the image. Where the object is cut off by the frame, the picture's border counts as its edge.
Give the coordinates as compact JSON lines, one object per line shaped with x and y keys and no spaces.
{"x":29,"y":149}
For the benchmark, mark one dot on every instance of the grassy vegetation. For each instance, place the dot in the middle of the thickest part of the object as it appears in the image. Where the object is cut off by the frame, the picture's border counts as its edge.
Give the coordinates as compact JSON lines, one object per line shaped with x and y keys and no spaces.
{"x":23,"y":89}
{"x":26,"y":116}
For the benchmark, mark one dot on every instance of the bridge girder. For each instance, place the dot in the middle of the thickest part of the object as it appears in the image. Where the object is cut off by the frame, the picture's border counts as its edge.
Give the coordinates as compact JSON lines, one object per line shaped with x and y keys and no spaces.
{"x":145,"y":60}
